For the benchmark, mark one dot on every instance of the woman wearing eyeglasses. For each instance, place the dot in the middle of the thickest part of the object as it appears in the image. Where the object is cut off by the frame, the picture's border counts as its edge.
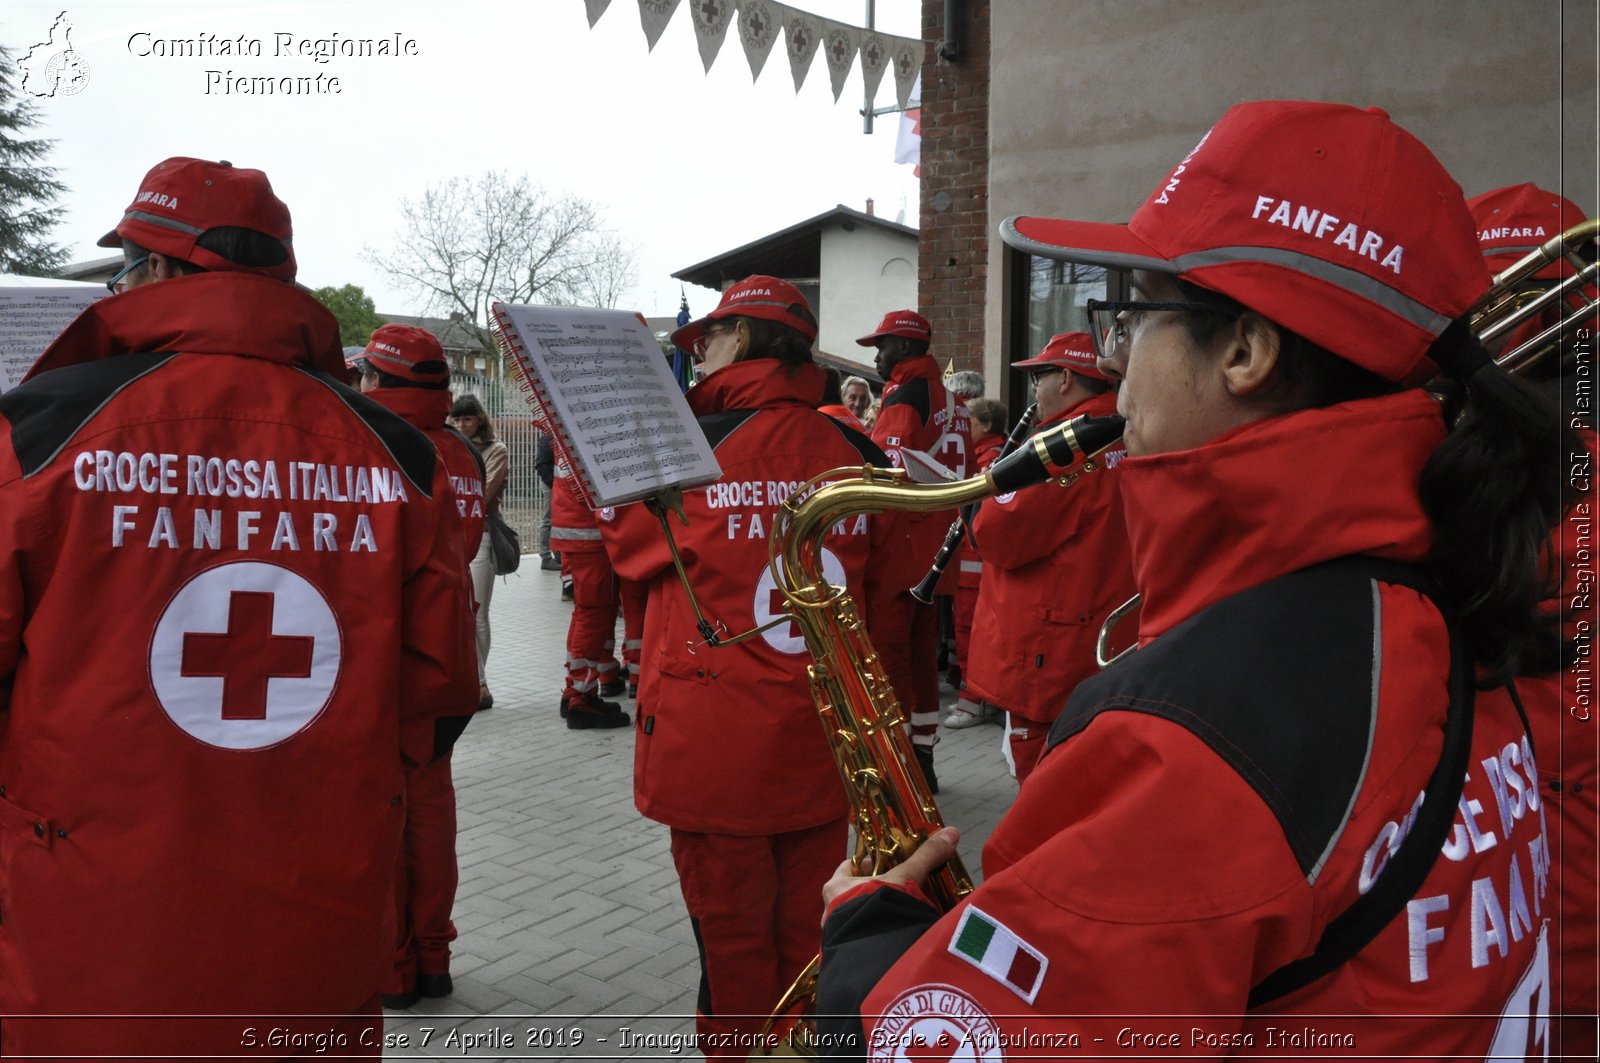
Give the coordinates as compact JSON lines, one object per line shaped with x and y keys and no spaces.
{"x":1229,"y":825}
{"x":729,"y":751}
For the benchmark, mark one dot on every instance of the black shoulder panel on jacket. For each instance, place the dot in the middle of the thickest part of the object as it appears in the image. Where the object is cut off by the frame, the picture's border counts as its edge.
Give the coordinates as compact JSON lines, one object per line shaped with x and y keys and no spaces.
{"x":47,"y":411}
{"x":913,"y":393}
{"x":1280,"y":681}
{"x":871,"y":453}
{"x":410,"y":449}
{"x":719,"y":426}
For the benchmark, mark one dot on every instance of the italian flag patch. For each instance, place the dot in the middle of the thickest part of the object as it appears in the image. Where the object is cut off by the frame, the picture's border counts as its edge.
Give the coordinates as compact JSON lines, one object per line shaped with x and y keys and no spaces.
{"x":985,"y":943}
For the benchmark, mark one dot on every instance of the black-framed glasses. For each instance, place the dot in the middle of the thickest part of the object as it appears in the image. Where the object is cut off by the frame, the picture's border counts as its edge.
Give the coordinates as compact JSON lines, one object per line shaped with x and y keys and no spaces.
{"x":1108,"y":326}
{"x":1036,"y":375}
{"x":121,"y":274}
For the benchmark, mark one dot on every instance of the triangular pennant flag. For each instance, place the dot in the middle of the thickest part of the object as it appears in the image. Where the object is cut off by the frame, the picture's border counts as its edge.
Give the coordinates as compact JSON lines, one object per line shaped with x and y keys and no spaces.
{"x":908,"y":141}
{"x":711,"y":18}
{"x":596,"y":9}
{"x":758,"y":29}
{"x":802,"y":33}
{"x":874,"y":61}
{"x":839,"y":46}
{"x":654,"y":16}
{"x":907,"y":58}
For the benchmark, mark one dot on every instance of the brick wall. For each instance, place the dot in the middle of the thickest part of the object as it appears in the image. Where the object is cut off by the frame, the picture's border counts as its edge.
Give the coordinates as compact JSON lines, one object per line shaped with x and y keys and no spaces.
{"x":952,"y":256}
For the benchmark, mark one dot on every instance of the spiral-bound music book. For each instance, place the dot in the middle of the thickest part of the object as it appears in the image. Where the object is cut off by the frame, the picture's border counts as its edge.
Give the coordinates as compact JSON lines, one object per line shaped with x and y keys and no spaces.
{"x":614,"y":407}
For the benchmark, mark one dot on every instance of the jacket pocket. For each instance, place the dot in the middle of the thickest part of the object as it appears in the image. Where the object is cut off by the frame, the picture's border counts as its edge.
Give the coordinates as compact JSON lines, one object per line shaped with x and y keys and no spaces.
{"x":21,"y":823}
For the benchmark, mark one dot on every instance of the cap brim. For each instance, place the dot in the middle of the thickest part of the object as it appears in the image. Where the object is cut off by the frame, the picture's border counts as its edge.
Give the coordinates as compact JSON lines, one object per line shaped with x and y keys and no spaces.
{"x":684,"y":338}
{"x":110,"y":239}
{"x":1038,"y":363}
{"x":1097,"y":243}
{"x":868,"y":341}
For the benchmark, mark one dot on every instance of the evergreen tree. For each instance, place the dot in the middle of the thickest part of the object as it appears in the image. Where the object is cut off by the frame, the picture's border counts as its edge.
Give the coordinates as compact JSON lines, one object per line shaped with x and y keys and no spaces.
{"x":28,"y":189}
{"x":358,"y":317}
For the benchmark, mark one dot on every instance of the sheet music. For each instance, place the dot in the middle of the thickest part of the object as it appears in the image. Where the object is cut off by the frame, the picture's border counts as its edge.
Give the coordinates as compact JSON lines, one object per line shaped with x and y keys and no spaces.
{"x":602,"y":376}
{"x":30,"y":320}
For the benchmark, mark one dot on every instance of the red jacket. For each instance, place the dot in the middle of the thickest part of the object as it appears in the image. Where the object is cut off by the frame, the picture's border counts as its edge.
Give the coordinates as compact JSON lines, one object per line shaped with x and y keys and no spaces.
{"x":968,"y":561}
{"x":741,"y":715}
{"x":231,"y":608}
{"x":428,"y":412}
{"x":1057,"y":564}
{"x":574,"y":527}
{"x":917,"y":412}
{"x":1146,"y":877}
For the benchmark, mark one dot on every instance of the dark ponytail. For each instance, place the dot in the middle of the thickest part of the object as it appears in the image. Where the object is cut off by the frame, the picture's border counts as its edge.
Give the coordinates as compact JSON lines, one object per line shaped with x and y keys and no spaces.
{"x":1495,"y":497}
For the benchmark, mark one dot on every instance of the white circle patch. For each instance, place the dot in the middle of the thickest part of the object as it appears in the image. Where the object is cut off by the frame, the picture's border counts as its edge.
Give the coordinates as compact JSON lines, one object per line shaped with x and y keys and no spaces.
{"x":770,"y":604}
{"x":245,"y":656}
{"x":935,"y":1022}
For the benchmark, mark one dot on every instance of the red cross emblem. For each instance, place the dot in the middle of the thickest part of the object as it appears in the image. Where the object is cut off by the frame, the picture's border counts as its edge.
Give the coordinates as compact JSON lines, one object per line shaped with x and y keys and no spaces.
{"x":711,"y":11}
{"x":758,"y":28}
{"x":802,"y":40}
{"x":840,"y":48}
{"x":872,"y":53}
{"x":247,"y":656}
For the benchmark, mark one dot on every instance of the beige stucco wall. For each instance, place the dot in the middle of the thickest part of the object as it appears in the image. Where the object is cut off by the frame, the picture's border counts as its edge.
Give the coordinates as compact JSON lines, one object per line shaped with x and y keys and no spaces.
{"x":1093,"y":101}
{"x":865,"y":274}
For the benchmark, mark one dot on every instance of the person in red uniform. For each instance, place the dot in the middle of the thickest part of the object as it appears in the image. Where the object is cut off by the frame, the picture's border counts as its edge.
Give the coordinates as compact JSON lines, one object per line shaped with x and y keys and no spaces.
{"x":988,"y":440}
{"x":1297,"y":737}
{"x":1058,"y":565}
{"x":231,"y":613}
{"x":753,"y":850}
{"x":592,"y":667}
{"x":917,"y":414}
{"x":403,"y":369}
{"x":1511,"y":222}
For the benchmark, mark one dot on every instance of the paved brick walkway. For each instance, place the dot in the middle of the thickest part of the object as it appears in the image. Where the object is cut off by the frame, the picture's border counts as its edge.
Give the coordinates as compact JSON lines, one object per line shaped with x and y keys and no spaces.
{"x":568,"y":910}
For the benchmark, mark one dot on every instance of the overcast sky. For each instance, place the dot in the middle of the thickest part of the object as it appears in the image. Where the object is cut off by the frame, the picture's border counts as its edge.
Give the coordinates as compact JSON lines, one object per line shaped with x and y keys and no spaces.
{"x":684,"y":164}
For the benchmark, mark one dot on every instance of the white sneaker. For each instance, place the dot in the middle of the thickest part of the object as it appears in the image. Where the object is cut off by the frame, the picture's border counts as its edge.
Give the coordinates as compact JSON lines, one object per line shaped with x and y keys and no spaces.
{"x":960,"y":718}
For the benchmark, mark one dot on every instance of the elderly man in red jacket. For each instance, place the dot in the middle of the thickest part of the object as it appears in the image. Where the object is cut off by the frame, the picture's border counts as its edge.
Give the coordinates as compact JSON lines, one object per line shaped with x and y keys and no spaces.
{"x":232,"y":612}
{"x":1056,"y":562}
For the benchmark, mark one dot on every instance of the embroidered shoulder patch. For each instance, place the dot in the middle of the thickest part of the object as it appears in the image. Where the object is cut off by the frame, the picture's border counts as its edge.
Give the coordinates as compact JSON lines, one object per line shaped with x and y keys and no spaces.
{"x":934,"y":1022}
{"x":988,"y":945}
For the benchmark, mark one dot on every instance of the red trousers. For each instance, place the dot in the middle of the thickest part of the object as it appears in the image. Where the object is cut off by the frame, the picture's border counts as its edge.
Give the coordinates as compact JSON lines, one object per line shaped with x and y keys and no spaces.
{"x":633,"y":596}
{"x":425,"y":879}
{"x":906,"y":635}
{"x":755,"y":904}
{"x":592,"y":632}
{"x":1026,"y":738}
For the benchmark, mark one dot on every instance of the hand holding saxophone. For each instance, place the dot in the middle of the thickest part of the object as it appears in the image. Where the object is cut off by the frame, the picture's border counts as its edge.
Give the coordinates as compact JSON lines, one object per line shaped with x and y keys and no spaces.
{"x":931,"y":855}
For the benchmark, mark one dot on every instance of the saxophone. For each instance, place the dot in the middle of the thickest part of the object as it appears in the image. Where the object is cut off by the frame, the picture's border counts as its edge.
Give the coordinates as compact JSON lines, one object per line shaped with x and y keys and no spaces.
{"x":891,"y":808}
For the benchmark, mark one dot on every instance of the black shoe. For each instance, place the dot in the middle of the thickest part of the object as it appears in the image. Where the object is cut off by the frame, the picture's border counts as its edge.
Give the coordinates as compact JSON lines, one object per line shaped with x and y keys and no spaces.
{"x":613,"y":688}
{"x":952,"y":675}
{"x":485,"y":702}
{"x":434,"y":986}
{"x":633,"y":691}
{"x":566,"y":590}
{"x":398,"y":1001}
{"x":587,"y":710}
{"x":925,"y":762}
{"x":549,"y":563}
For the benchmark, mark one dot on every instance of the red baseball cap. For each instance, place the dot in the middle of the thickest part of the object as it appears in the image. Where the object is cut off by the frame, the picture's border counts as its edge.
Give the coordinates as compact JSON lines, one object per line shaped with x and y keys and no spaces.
{"x":1328,"y":219}
{"x":1072,"y":351}
{"x":409,"y":353}
{"x":758,"y":296}
{"x":181,"y":199}
{"x":907,"y":323}
{"x":1515,"y":220}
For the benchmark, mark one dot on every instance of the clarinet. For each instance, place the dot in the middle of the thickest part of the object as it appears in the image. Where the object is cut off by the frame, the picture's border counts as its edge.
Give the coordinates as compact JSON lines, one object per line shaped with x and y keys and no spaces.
{"x":923,"y":592}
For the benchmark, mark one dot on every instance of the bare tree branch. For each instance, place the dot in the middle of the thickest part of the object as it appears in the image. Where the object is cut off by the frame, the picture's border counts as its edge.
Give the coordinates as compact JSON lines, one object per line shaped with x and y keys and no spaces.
{"x":471,"y":240}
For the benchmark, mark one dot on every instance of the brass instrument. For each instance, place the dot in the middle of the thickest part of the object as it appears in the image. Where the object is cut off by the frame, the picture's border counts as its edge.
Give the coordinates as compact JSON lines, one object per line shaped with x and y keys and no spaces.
{"x":1512,"y":300}
{"x":923,"y":592}
{"x":892,"y":810}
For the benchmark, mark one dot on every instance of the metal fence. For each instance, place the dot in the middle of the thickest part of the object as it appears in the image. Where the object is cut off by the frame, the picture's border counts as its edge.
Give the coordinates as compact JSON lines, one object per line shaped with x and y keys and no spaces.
{"x":524,"y":502}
